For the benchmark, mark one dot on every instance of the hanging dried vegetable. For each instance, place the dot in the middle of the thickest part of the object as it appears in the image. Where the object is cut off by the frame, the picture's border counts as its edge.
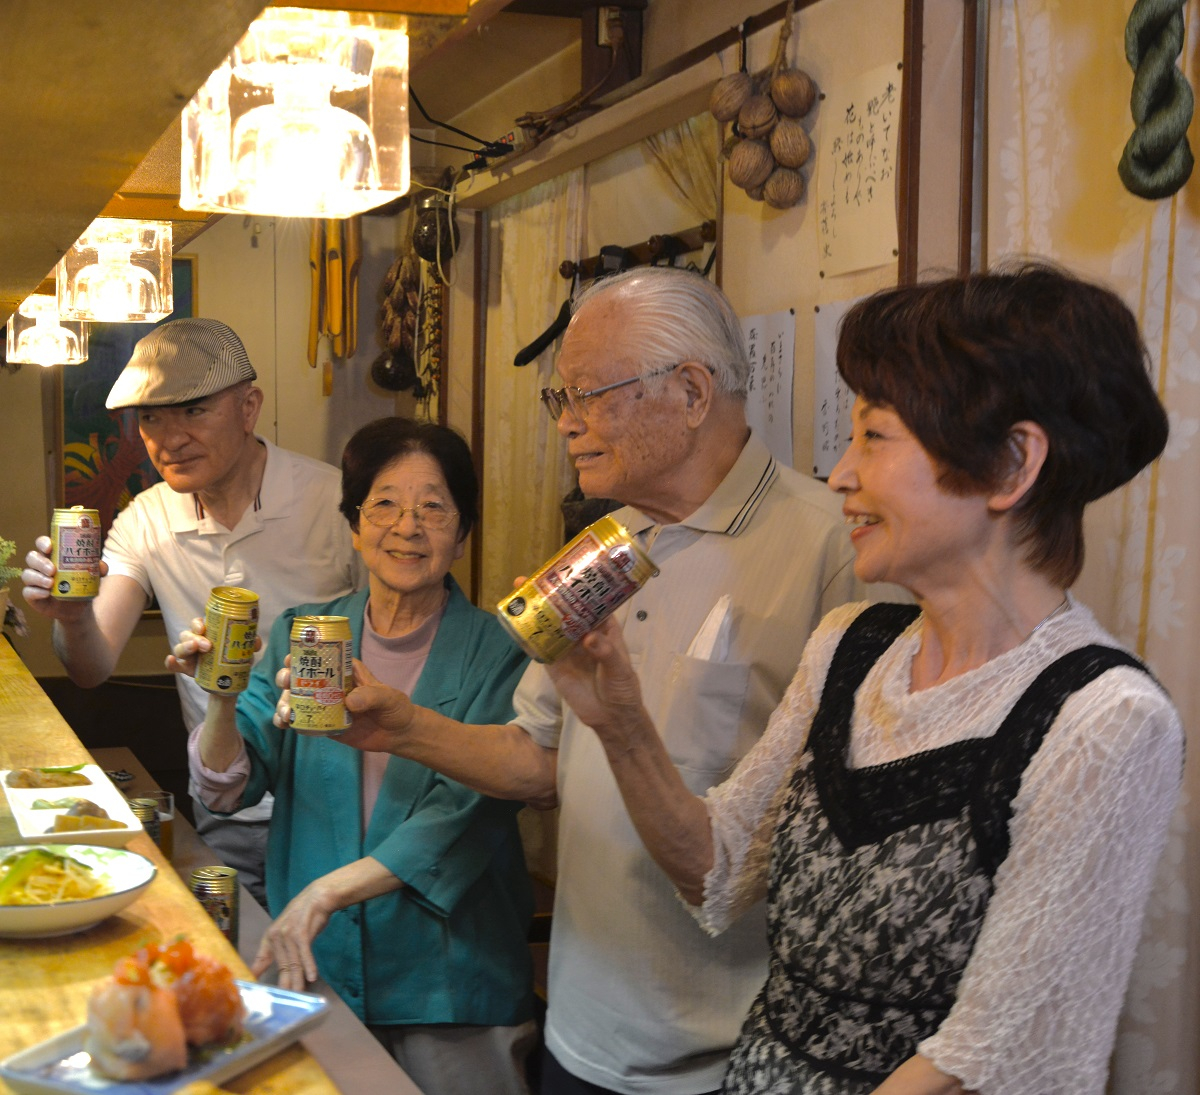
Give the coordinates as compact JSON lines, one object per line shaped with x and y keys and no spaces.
{"x":768,"y":145}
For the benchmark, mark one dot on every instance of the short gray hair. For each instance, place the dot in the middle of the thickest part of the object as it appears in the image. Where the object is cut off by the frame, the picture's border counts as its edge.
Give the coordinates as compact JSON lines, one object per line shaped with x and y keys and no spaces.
{"x":677,"y":315}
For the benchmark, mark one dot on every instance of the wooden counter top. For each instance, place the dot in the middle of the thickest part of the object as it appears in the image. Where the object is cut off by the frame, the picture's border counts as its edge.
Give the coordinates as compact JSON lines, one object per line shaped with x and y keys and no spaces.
{"x":45,"y":983}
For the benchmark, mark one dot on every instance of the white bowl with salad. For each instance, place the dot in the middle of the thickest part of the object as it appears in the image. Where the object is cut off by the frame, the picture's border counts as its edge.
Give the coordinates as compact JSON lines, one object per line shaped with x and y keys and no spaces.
{"x":57,"y":889}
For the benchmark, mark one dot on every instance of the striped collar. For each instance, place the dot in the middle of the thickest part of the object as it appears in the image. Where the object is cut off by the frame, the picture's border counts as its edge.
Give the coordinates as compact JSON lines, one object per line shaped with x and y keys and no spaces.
{"x":731,"y":507}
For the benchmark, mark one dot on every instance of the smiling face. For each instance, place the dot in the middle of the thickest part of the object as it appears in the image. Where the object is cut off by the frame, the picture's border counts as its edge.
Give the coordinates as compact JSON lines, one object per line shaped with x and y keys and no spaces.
{"x":198,"y":447}
{"x":906,"y":527}
{"x":631,"y":439}
{"x":409,"y":559}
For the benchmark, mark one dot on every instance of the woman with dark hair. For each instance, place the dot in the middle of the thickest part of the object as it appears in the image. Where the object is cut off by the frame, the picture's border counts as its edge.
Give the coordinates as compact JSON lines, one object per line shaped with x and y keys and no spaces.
{"x":955,"y":813}
{"x":402,"y":889}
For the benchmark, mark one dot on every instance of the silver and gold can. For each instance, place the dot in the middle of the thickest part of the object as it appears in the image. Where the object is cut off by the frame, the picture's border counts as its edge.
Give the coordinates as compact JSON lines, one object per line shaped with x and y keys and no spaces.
{"x":231,"y":624}
{"x":322,"y":674}
{"x":216,"y":888}
{"x":75,"y":551}
{"x":567,"y":597}
{"x":146,"y":811}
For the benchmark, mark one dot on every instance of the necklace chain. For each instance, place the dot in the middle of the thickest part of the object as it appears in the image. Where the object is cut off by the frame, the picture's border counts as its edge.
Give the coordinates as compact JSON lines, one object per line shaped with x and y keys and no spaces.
{"x":1045,"y":620}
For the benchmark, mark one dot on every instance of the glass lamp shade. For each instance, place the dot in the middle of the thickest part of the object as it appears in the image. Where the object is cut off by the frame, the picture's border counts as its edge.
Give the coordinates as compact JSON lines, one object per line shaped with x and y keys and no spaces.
{"x":307,"y":117}
{"x":36,"y":335}
{"x":118,"y":271}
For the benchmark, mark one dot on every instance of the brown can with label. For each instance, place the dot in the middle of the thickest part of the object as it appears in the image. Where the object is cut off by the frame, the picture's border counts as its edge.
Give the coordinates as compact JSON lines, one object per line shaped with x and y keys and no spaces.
{"x":231,"y":623}
{"x":594,"y":574}
{"x":216,"y":888}
{"x":322,"y":674}
{"x":75,"y":551}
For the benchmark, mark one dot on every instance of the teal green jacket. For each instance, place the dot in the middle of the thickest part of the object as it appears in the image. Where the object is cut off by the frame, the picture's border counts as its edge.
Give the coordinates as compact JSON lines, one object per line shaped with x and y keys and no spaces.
{"x":451,"y":945}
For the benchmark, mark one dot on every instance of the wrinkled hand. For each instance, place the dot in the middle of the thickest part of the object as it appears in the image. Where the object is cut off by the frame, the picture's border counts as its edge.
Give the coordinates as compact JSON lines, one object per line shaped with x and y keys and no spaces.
{"x":283,"y":707}
{"x":185,"y":653}
{"x":37,"y":580}
{"x":192,"y":643}
{"x":596,"y":678}
{"x":379,"y":715}
{"x":287,"y":943}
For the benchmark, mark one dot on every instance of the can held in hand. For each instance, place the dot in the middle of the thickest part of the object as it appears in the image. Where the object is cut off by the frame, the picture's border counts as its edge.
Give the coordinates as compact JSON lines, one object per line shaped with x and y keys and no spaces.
{"x":216,"y":888}
{"x":75,"y":552}
{"x":322,"y":674}
{"x":231,"y":623}
{"x":567,"y":597}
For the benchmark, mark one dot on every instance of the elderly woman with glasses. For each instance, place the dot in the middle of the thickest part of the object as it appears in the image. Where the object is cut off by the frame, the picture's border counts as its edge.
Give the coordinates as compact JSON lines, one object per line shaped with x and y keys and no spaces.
{"x":402,"y":889}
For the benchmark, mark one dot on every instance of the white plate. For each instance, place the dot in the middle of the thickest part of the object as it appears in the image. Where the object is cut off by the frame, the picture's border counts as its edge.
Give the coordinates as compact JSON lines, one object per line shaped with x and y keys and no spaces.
{"x":274,"y":1019}
{"x":33,"y":824}
{"x":127,"y":872}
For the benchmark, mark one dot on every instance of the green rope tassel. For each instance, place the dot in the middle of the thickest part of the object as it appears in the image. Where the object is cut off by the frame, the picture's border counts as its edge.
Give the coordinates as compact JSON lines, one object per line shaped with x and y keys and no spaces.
{"x":1157,"y":160}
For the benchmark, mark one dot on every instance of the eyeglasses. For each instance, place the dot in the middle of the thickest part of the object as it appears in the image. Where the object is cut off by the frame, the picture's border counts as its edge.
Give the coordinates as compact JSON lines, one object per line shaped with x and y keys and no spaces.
{"x":386,"y":513}
{"x":575,"y":400}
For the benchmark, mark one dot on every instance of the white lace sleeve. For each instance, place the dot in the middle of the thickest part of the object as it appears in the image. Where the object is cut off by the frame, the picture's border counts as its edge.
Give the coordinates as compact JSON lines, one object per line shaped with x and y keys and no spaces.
{"x":1039,"y":999}
{"x":743,"y":810}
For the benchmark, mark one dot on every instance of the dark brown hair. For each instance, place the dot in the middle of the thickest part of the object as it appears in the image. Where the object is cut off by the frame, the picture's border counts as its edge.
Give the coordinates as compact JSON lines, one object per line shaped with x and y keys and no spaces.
{"x":385,"y":440}
{"x":962,"y":360}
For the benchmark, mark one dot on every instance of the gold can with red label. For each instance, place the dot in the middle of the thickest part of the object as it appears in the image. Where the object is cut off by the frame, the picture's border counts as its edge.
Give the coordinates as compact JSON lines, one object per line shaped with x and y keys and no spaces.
{"x":567,"y":597}
{"x":75,"y":551}
{"x":231,"y":623}
{"x":322,"y":674}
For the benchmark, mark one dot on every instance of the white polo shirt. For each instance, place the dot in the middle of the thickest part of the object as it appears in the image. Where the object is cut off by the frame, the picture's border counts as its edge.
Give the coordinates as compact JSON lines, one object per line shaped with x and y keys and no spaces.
{"x":291,"y":547}
{"x":640,"y":999}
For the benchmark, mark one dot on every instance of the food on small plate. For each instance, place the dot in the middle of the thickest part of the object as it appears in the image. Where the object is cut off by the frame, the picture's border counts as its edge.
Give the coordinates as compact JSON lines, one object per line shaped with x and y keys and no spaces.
{"x":74,"y":823}
{"x":52,"y":776}
{"x":158,"y":1002}
{"x":83,"y":814}
{"x":57,"y":803}
{"x":39,"y":876}
{"x":201,"y":1087}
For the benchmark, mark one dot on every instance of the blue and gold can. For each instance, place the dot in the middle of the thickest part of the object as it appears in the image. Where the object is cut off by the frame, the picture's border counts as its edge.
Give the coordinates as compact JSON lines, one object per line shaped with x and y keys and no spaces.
{"x":231,"y":624}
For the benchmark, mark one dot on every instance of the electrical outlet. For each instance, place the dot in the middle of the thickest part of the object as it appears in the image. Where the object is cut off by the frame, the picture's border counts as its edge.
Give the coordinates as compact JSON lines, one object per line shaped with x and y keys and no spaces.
{"x":602,"y":18}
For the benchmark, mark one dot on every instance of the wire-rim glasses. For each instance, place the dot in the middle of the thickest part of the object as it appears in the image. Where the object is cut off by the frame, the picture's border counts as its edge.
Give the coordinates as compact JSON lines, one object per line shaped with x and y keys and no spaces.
{"x":387,"y":513}
{"x":557,"y":400}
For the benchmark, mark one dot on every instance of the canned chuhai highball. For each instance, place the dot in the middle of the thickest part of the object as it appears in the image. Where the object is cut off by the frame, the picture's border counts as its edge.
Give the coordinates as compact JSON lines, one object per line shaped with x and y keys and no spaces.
{"x":231,"y":623}
{"x":322,"y":674}
{"x":595,"y":573}
{"x":216,"y":888}
{"x":75,"y":552}
{"x":146,"y":811}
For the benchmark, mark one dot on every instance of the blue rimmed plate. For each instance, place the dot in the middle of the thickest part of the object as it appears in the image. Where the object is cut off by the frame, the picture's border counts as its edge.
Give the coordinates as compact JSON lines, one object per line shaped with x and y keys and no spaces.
{"x":275,"y":1018}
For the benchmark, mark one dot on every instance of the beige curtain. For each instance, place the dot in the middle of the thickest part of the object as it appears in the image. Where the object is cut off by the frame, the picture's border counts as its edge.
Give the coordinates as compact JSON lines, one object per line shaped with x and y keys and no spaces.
{"x":686,"y":157}
{"x":1058,"y":118}
{"x":525,"y":467}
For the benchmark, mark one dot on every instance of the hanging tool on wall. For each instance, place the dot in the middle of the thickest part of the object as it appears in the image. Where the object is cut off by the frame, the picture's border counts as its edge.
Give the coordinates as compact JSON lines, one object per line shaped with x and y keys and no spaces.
{"x":334,"y":259}
{"x":612,"y":260}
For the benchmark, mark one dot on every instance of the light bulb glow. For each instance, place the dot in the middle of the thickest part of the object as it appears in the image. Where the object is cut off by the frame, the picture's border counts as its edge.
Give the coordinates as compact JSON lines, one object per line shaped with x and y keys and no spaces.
{"x":118,"y":271}
{"x":36,"y":336}
{"x":307,"y":117}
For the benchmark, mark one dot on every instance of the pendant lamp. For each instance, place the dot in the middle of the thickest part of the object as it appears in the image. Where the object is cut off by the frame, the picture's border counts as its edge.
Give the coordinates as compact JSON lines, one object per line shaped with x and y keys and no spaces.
{"x":118,"y":271}
{"x":307,"y":117}
{"x":36,"y":335}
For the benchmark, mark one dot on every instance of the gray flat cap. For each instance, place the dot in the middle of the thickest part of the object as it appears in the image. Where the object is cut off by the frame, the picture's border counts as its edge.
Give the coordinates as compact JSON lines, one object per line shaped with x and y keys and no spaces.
{"x":181,"y":360}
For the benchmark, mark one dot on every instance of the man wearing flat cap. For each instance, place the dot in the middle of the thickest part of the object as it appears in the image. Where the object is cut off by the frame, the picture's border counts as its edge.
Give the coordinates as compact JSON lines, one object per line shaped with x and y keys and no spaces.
{"x":232,"y":509}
